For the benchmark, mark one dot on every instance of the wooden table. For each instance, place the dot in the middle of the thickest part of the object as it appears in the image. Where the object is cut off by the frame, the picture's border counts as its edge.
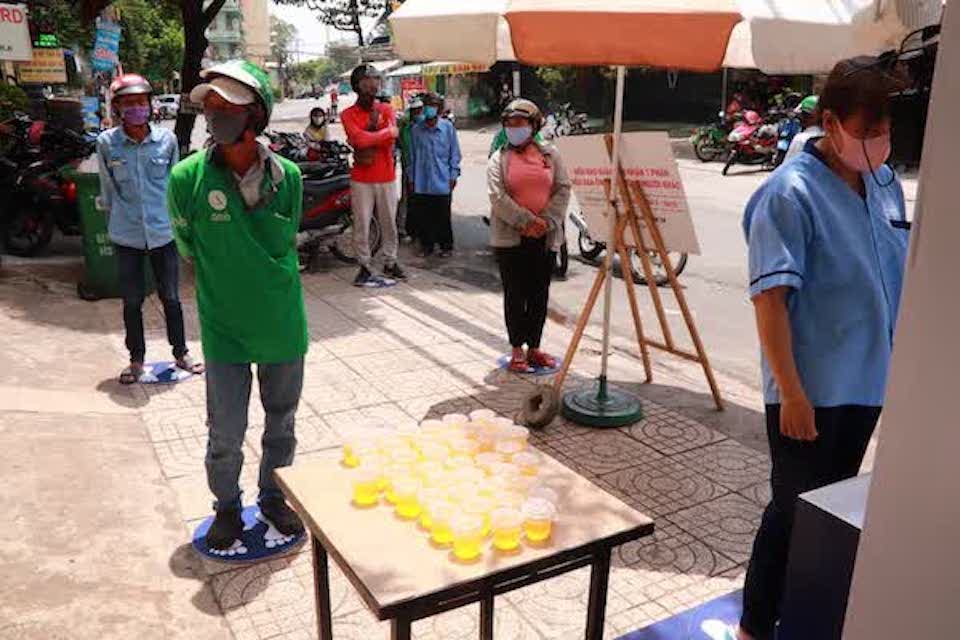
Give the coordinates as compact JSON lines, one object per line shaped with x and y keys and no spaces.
{"x":402,"y":577}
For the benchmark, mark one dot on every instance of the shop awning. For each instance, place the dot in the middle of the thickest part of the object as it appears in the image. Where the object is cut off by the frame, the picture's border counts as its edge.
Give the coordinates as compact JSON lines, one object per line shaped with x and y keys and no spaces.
{"x":453,"y":68}
{"x":471,"y":30}
{"x":406,"y":70}
{"x":383,"y":66}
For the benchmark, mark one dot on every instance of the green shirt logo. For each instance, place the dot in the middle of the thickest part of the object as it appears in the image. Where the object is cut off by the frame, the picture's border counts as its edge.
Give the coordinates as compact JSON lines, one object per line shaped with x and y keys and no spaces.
{"x":217,"y":200}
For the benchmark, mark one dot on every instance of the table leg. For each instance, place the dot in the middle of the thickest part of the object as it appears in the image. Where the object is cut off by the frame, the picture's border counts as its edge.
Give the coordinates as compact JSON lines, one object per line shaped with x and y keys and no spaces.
{"x":486,"y":617}
{"x":400,"y":629}
{"x":321,"y":582}
{"x":597,"y":607}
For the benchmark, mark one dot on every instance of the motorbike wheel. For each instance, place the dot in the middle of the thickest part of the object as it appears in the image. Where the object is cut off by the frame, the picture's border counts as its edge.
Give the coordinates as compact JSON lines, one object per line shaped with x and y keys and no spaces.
{"x":343,"y":248}
{"x":730,"y":162}
{"x":589,"y":249}
{"x":706,"y":150}
{"x":562,"y":262}
{"x":679,"y":261}
{"x":27,"y":232}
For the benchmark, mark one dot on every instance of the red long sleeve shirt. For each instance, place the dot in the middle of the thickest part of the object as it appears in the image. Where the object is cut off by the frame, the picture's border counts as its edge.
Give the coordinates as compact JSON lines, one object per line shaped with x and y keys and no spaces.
{"x":355,"y":121}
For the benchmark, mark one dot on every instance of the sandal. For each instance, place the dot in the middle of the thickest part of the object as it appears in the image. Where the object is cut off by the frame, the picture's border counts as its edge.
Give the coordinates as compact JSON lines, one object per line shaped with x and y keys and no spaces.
{"x":518,"y":365}
{"x":187,"y":364}
{"x":541,"y":360}
{"x":131,"y":374}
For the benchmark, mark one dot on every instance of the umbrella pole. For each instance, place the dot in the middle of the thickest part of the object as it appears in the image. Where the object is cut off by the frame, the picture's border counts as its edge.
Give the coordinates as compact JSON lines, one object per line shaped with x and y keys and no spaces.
{"x":603,"y":406}
{"x":516,"y":82}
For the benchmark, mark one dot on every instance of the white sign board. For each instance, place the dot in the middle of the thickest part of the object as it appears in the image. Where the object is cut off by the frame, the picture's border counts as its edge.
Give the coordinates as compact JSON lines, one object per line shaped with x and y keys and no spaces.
{"x":648,"y":162}
{"x":14,"y":33}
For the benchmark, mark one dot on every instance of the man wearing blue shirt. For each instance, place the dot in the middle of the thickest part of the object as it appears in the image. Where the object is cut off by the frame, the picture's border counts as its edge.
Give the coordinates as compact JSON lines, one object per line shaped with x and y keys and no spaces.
{"x":135,"y":161}
{"x":433,"y":173}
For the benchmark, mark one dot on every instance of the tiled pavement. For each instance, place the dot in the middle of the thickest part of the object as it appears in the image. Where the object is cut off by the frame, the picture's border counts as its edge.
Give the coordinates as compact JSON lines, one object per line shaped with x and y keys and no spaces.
{"x":380,"y":358}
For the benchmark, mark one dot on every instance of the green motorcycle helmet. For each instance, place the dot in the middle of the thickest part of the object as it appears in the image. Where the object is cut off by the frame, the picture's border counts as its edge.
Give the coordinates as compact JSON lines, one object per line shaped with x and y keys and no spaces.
{"x":247,"y":74}
{"x":808,"y":105}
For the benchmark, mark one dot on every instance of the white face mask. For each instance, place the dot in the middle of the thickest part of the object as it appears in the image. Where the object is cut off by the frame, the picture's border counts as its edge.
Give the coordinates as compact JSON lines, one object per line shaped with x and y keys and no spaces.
{"x":519,"y":136}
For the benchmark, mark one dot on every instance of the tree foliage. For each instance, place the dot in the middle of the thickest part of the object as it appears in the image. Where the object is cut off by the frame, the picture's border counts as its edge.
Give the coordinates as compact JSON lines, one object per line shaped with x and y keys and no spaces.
{"x":283,"y":36}
{"x":345,"y":15}
{"x":152,"y":43}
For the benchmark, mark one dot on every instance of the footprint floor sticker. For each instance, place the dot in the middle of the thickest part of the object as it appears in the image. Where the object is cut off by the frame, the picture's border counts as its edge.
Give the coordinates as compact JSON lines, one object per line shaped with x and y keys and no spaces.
{"x":260,"y":539}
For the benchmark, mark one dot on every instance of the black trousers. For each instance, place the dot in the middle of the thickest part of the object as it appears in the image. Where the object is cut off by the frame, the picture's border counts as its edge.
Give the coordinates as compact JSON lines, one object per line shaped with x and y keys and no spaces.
{"x":836,"y":454}
{"x":525,"y":272}
{"x":432,"y":220}
{"x":165,"y":263}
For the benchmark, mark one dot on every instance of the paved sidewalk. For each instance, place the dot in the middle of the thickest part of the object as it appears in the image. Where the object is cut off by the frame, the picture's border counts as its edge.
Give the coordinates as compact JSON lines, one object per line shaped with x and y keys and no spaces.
{"x":114,"y":481}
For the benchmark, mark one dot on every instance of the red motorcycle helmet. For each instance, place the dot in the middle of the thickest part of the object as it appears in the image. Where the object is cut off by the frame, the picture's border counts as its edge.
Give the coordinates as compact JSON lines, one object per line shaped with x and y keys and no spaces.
{"x":129,"y":84}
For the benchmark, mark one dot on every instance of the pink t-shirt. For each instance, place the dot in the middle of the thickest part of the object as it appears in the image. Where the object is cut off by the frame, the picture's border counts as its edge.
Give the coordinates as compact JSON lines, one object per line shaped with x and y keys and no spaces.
{"x":529,"y":178}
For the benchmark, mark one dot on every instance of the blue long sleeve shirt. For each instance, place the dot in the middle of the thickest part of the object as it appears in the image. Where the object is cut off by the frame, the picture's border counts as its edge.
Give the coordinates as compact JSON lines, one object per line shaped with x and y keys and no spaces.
{"x":434,"y":157}
{"x":133,"y":186}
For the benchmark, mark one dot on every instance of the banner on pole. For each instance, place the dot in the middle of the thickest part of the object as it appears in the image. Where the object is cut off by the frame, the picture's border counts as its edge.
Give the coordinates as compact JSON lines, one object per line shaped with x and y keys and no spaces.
{"x":14,"y":33}
{"x":648,"y":162}
{"x":106,"y":46}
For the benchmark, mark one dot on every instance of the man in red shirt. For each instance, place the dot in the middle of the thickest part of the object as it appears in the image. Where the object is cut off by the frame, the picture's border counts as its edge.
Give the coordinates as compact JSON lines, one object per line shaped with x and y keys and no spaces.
{"x":371,"y":130}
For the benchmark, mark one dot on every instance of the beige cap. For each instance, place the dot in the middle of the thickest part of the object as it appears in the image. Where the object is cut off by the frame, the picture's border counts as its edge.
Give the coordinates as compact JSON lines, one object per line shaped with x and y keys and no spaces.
{"x":231,"y":90}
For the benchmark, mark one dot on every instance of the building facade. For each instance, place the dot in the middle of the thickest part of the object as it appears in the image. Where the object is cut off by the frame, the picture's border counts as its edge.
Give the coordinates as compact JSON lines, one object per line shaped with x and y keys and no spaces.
{"x":226,"y":33}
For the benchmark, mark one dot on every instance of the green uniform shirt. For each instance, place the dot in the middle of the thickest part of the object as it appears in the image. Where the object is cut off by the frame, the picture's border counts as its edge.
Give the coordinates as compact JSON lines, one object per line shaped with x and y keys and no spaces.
{"x":248,"y":283}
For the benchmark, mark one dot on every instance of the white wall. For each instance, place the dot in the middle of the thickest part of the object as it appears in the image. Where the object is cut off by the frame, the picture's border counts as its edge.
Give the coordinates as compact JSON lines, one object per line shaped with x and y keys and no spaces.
{"x":907,"y":579}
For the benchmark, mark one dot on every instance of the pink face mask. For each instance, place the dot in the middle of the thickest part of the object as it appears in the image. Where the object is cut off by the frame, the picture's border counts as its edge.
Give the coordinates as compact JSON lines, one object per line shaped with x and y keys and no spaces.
{"x":862,"y":154}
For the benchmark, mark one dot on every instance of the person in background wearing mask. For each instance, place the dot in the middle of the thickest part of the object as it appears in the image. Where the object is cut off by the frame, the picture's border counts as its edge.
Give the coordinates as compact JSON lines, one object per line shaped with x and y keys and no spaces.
{"x":236,"y":208}
{"x":316,"y":133}
{"x":827,"y":236}
{"x":135,"y":160}
{"x":810,"y":121}
{"x":406,"y":217}
{"x":433,"y":175}
{"x":371,"y":131}
{"x":529,"y":191}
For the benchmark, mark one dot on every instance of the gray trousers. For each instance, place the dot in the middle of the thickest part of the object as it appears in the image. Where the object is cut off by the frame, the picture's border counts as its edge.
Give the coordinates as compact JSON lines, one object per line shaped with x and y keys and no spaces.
{"x":368,"y":198}
{"x":228,"y":402}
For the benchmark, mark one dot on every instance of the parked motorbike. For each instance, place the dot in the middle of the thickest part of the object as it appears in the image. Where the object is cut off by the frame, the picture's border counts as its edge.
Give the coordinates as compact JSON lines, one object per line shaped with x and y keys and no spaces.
{"x":565,"y":121}
{"x":592,"y":250}
{"x":789,"y":126}
{"x":710,"y":141}
{"x":327,"y":223}
{"x":38,"y":198}
{"x":754,"y":142}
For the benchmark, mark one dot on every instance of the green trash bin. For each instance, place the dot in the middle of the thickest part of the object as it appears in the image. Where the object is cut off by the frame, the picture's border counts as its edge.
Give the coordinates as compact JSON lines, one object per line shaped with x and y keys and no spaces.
{"x":100,"y":278}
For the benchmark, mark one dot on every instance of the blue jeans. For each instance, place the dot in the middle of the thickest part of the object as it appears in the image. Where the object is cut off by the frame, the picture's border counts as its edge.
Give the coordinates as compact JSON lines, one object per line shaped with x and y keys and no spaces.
{"x":228,"y":401}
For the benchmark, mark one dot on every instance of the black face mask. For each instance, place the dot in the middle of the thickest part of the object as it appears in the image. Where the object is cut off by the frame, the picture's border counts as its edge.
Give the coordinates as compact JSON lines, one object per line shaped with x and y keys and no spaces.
{"x":226,"y":127}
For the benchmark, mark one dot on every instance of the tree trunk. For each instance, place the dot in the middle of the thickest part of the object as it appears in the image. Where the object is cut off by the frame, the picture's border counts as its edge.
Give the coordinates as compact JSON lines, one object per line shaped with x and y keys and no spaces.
{"x":355,"y":14}
{"x":194,"y":46}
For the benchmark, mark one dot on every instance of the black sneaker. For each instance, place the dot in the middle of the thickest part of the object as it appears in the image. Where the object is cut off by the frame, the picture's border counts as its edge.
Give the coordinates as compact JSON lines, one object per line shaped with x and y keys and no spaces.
{"x":285,"y":519}
{"x":394,"y":271}
{"x":226,"y":528}
{"x":363,"y":278}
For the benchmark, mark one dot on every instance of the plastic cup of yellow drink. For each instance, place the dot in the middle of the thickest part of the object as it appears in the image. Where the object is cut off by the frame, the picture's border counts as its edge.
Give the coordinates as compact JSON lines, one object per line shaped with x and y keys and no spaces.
{"x":538,"y":517}
{"x":503,"y":469}
{"x":355,"y":445}
{"x":406,"y":491}
{"x":528,"y":462}
{"x":458,"y":461}
{"x":441,"y":515}
{"x":434,"y":451}
{"x":468,"y":536}
{"x":519,"y":436}
{"x":484,"y":460}
{"x":508,"y":498}
{"x":404,"y":455}
{"x":464,"y":446}
{"x":544,"y":492}
{"x":394,"y":473}
{"x":481,"y":507}
{"x":428,"y":497}
{"x":507,"y":525}
{"x":507,"y":448}
{"x":366,"y":485}
{"x":456,"y":419}
{"x":482,"y":415}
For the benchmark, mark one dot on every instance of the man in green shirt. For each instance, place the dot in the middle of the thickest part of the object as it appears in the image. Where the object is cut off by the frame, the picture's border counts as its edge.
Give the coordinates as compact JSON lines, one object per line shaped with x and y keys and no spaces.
{"x":406,"y":217}
{"x":235,"y":209}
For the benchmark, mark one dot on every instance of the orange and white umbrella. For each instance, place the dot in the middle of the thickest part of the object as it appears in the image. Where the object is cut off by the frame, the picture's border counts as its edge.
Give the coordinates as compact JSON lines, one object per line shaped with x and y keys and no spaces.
{"x":685,"y":34}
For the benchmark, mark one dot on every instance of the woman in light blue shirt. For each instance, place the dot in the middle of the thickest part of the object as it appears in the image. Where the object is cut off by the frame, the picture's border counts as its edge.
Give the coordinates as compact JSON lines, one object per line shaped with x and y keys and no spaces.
{"x":827,"y":236}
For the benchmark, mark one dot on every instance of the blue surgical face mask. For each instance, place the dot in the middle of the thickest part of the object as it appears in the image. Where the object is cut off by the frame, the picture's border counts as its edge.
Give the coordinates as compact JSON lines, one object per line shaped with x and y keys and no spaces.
{"x":518,"y":136}
{"x":430,"y":112}
{"x":419,"y":118}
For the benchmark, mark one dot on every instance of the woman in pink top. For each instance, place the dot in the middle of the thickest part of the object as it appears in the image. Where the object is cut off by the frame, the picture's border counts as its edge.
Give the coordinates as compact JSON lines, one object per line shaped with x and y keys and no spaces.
{"x":529,"y":191}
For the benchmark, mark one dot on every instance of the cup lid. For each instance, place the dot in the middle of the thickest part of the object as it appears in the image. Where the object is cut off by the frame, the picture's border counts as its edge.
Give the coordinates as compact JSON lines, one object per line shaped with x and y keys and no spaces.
{"x":539,"y":509}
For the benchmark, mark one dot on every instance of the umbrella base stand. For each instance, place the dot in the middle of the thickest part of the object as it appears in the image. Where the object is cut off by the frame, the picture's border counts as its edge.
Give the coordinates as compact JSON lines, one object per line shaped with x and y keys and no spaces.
{"x":601,"y":406}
